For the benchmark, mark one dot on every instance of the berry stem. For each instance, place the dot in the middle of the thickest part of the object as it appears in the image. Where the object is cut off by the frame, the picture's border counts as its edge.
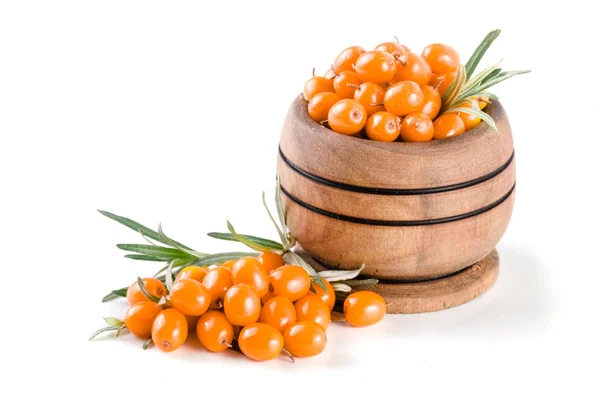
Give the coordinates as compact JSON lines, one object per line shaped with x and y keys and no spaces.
{"x":287,"y":353}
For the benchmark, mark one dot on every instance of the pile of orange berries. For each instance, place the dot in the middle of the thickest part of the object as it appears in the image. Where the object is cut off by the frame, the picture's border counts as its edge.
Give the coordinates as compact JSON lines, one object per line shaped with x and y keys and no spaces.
{"x":390,"y":94}
{"x":260,"y":306}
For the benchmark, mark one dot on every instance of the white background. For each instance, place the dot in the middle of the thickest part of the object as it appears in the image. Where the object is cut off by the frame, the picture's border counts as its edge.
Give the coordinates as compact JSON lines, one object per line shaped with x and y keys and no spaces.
{"x":171,"y":111}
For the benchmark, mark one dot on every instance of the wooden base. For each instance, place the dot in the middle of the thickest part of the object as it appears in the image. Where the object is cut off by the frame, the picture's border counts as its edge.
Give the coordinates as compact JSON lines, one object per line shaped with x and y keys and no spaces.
{"x":435,"y":294}
{"x":439,"y":294}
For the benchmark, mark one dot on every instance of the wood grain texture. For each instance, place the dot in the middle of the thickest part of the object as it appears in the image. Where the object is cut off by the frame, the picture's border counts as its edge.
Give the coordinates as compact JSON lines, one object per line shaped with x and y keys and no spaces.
{"x":355,"y":161}
{"x":345,"y":226}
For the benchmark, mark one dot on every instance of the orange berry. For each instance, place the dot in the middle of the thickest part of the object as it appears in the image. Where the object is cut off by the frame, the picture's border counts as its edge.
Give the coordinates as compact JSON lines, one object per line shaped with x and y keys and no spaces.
{"x":169,"y":330}
{"x":470,"y":120}
{"x":441,"y":58}
{"x":393,"y":48}
{"x":443,"y":82}
{"x":260,"y":342}
{"x":190,"y":297}
{"x":140,"y":316}
{"x":417,"y":127}
{"x":305,"y":339}
{"x":346,"y":83}
{"x":312,"y":308}
{"x":192,"y":321}
{"x":289,"y":281}
{"x":346,"y":59}
{"x":279,"y":312}
{"x":347,"y":117}
{"x":241,"y":305}
{"x":228,"y":264}
{"x":271,"y":260}
{"x":404,"y":98}
{"x":317,"y":84}
{"x":218,"y":281}
{"x":214,"y":331}
{"x":376,"y":66}
{"x":448,"y":125}
{"x":383,"y":126}
{"x":192,"y":272}
{"x":249,"y":271}
{"x":330,"y":74}
{"x":412,"y":67}
{"x":371,"y":96}
{"x":320,"y":104}
{"x":433,"y":101}
{"x":364,"y":308}
{"x":153,"y":286}
{"x":328,"y":295}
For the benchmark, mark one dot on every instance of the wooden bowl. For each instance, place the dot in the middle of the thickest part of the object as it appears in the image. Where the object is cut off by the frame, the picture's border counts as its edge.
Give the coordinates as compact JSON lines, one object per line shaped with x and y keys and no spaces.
{"x":409,"y":211}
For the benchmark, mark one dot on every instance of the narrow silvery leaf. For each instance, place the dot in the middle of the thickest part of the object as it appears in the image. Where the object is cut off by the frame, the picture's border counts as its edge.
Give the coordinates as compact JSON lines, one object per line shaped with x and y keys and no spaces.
{"x":153,"y":251}
{"x":113,"y":321}
{"x":280,"y":212}
{"x":282,"y":236}
{"x":341,"y":287}
{"x":145,"y":292}
{"x":169,"y":276}
{"x":105,"y":329}
{"x":478,"y":113}
{"x":115,"y":294}
{"x":144,"y":257}
{"x":250,"y":243}
{"x":258,"y":240}
{"x":220,"y":258}
{"x":480,"y":51}
{"x":341,"y":275}
{"x":147,"y":344}
{"x":167,"y":240}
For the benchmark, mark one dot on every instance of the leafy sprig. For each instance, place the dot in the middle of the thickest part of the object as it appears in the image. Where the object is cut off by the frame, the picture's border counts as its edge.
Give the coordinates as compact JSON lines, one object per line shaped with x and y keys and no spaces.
{"x":467,"y":87}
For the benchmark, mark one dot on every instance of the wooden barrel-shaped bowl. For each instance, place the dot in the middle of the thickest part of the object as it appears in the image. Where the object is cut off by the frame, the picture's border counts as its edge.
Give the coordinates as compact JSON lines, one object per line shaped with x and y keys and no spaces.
{"x":409,"y":211}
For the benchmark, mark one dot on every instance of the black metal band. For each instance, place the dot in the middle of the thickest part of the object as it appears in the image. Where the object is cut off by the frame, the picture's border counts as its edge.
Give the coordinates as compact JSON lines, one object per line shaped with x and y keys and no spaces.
{"x":382,"y":222}
{"x":394,"y":192}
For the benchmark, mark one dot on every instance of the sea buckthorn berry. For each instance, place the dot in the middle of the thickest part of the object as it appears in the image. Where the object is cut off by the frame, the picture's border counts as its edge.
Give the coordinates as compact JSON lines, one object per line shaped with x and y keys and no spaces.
{"x":153,"y":286}
{"x":371,"y":96}
{"x":271,"y":260}
{"x":470,"y":120}
{"x":404,"y":98}
{"x":260,"y":342}
{"x":393,"y":48}
{"x":140,"y":316}
{"x":346,"y":83}
{"x":289,"y":281}
{"x":412,"y":67}
{"x":319,"y":106}
{"x":448,"y":125}
{"x":228,"y":264}
{"x":364,"y":308}
{"x":218,"y":281}
{"x":433,"y":101}
{"x":312,"y":308}
{"x":250,"y":271}
{"x":305,"y":339}
{"x":190,"y":297}
{"x":347,"y":117}
{"x":383,"y":126}
{"x":192,"y":272}
{"x":317,"y":84}
{"x":346,"y":59}
{"x":442,"y":82}
{"x":192,"y":321}
{"x":214,"y":331}
{"x":375,"y":66}
{"x":241,"y":305}
{"x":441,"y":58}
{"x":417,"y":127}
{"x":169,"y":330}
{"x":328,"y":295}
{"x":279,"y":312}
{"x":330,"y":74}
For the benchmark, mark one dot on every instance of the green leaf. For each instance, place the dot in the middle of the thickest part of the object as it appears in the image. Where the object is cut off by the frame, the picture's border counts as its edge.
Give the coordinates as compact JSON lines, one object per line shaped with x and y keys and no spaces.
{"x":492,"y":74}
{"x":341,"y":275}
{"x":137,"y":227}
{"x":145,"y":291}
{"x":144,"y":257}
{"x":475,"y":81}
{"x":105,"y":329}
{"x":115,"y":294}
{"x":168,"y":241}
{"x":220,"y":258}
{"x":261,"y":241}
{"x":147,"y":344}
{"x":114,"y":321}
{"x":485,"y":44}
{"x":280,"y":212}
{"x":250,"y":243}
{"x":169,"y":276}
{"x":502,"y":76}
{"x":478,"y":113}
{"x":154,"y":251}
{"x":455,"y":88}
{"x":279,"y":231}
{"x":341,"y":287}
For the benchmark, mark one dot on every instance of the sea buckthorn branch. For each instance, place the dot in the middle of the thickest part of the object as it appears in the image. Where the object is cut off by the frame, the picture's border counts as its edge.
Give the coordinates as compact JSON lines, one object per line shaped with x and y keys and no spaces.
{"x":467,"y":87}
